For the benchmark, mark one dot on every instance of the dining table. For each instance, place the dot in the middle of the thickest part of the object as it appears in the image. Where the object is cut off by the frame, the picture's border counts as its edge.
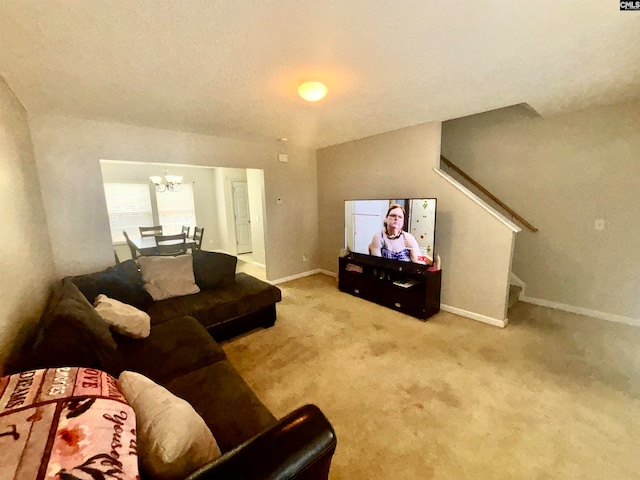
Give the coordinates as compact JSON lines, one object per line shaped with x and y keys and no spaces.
{"x":148,"y":246}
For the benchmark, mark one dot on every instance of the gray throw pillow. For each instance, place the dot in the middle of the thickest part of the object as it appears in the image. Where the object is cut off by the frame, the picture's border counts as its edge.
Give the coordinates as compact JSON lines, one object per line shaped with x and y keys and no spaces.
{"x":125,"y":319}
{"x":173,"y":440}
{"x":167,"y":277}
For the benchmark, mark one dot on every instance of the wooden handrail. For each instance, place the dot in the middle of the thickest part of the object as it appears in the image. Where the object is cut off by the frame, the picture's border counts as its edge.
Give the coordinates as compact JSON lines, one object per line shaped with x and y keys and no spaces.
{"x":489,"y":194}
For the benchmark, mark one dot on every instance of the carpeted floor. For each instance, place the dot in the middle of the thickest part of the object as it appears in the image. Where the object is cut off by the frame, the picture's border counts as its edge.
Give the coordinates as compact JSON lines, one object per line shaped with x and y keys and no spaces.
{"x":552,"y":396}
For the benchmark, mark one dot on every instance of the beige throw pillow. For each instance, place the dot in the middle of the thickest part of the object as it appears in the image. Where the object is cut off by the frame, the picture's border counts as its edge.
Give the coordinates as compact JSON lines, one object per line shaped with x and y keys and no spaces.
{"x":125,"y":319}
{"x":173,"y":440}
{"x":166,"y":277}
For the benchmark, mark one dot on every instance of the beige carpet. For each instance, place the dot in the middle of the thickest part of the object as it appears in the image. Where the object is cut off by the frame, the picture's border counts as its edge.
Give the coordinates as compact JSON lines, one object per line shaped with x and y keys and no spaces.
{"x":554,"y":395}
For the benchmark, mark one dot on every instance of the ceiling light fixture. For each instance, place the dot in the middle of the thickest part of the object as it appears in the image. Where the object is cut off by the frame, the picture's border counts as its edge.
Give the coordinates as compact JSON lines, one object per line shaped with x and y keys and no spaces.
{"x":172,"y":183}
{"x":312,"y":91}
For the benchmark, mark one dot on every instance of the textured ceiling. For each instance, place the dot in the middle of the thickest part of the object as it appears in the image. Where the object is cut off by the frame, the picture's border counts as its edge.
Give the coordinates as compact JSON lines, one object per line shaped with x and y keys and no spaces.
{"x":231,"y":68}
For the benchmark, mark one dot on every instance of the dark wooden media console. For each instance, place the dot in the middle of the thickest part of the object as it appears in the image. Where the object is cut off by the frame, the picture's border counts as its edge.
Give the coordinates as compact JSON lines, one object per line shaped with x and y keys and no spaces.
{"x":404,"y":286}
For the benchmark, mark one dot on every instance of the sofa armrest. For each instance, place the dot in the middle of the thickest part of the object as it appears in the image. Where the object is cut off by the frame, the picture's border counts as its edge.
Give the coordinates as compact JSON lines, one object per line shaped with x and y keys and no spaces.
{"x":299,"y":446}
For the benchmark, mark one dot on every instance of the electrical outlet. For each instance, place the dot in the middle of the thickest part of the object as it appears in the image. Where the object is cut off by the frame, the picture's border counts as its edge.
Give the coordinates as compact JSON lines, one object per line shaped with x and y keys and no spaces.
{"x":599,"y":224}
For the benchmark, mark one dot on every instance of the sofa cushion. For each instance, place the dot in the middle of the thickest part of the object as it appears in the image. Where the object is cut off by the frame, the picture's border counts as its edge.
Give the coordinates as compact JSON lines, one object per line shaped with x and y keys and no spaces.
{"x":72,"y":334}
{"x":173,"y":440}
{"x":246,"y":295}
{"x":167,"y":277}
{"x":121,"y":282}
{"x":225,"y":402}
{"x":213,"y":269}
{"x":174,"y":348}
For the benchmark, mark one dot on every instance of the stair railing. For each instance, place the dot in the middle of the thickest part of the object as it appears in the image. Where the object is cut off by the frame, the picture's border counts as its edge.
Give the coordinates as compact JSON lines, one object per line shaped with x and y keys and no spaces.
{"x":489,"y":194}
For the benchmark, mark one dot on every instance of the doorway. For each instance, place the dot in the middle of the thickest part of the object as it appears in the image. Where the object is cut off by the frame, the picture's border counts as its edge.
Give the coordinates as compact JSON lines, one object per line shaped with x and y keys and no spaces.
{"x":241,"y":217}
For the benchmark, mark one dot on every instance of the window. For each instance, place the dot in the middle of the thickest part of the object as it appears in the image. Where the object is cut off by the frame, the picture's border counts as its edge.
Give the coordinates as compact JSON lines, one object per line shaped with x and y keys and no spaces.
{"x":129,"y":206}
{"x":176,"y":209}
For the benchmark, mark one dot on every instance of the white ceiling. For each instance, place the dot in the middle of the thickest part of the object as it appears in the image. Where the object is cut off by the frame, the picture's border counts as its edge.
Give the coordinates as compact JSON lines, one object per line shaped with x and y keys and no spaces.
{"x":231,"y":68}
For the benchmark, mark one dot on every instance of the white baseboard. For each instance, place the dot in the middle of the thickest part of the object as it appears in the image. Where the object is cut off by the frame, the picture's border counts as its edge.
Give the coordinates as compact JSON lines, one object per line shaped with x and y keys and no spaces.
{"x":296,"y":276}
{"x":328,"y":272}
{"x":475,"y":316}
{"x":582,"y":311}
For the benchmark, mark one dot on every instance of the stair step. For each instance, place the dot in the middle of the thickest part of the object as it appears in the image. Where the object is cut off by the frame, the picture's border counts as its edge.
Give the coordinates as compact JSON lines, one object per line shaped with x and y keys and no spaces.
{"x":514,"y":294}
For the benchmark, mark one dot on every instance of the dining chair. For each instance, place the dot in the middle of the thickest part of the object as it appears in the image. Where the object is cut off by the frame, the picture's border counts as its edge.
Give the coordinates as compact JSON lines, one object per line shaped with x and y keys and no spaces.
{"x":186,"y":230}
{"x":198,"y":233}
{"x":151,"y":231}
{"x":171,"y":244}
{"x":130,"y":244}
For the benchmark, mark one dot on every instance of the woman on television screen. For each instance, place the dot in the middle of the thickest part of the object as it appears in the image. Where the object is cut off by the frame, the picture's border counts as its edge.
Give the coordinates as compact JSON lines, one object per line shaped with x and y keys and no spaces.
{"x":393,"y":242}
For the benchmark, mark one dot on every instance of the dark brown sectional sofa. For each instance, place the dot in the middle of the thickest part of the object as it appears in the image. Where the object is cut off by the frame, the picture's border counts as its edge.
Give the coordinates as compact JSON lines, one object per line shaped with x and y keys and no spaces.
{"x":181,"y":355}
{"x":227,"y":305}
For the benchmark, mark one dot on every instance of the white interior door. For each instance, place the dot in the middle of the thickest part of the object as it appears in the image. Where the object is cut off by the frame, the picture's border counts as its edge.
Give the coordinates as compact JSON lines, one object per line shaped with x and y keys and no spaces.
{"x":365,"y":227}
{"x":368,"y":216}
{"x":242,"y":216}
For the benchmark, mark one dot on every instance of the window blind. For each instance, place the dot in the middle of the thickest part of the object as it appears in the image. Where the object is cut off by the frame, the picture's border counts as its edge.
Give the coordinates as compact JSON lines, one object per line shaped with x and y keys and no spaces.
{"x":129,"y":207}
{"x":176,"y":209}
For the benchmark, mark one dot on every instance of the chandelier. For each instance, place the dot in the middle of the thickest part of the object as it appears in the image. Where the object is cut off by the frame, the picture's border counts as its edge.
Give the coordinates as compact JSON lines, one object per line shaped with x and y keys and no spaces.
{"x":172,"y":183}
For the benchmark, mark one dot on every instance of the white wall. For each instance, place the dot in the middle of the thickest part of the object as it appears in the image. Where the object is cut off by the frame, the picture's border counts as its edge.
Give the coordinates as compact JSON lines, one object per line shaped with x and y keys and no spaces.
{"x":68,"y":151}
{"x":561,"y":174}
{"x":475,"y":247}
{"x":26,"y":259}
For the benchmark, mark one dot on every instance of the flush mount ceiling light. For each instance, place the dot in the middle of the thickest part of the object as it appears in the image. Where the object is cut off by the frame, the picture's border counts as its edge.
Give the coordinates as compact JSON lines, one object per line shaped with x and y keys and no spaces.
{"x":312,"y":91}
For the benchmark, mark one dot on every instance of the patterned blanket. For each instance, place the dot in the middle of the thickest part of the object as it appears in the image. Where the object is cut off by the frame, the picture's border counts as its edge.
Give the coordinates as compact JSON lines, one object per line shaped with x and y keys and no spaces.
{"x":65,"y":424}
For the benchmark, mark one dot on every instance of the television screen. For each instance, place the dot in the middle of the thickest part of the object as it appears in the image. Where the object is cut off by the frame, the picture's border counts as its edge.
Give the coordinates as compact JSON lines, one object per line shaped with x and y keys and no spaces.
{"x":399,"y":229}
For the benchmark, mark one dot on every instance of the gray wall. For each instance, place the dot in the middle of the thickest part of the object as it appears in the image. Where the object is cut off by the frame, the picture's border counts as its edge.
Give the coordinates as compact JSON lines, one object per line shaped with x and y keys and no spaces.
{"x":475,"y":247}
{"x":68,"y":151}
{"x":26,"y":259}
{"x":562,"y":173}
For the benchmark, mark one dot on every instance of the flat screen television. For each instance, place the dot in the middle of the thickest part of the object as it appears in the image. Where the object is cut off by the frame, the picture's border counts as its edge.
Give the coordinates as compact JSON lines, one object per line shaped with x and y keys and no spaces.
{"x":399,"y":229}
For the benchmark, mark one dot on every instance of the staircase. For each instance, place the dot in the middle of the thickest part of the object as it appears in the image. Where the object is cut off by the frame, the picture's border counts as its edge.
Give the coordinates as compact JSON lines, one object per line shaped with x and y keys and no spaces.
{"x":514,"y":295}
{"x":516,"y":286}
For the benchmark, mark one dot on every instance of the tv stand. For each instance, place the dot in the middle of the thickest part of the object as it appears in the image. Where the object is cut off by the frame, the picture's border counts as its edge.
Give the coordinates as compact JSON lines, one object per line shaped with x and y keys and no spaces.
{"x":408,"y":287}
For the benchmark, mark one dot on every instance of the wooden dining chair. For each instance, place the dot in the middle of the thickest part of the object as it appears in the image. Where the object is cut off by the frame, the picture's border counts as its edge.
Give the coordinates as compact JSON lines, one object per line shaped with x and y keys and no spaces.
{"x":198,"y":233}
{"x":186,"y":230}
{"x":130,"y":244}
{"x":171,"y":244}
{"x":151,"y":231}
